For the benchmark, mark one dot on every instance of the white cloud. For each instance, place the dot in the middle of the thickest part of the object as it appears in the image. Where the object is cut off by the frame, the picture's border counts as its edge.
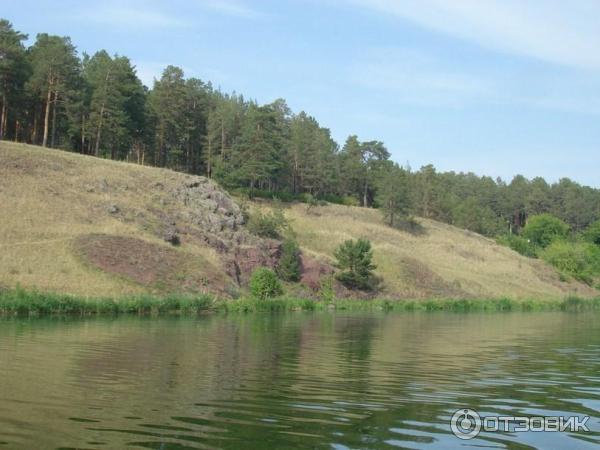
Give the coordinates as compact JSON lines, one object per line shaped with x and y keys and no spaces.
{"x":417,"y":78}
{"x":433,"y":80}
{"x":232,"y":8}
{"x":557,"y":31}
{"x":129,"y":15}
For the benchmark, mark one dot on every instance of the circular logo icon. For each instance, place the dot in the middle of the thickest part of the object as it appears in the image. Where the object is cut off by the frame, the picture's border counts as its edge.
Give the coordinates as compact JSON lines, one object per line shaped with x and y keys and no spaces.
{"x":465,"y":424}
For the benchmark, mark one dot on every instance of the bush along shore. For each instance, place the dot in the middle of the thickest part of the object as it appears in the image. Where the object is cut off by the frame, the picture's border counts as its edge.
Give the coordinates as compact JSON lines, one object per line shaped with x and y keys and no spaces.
{"x":20,"y":302}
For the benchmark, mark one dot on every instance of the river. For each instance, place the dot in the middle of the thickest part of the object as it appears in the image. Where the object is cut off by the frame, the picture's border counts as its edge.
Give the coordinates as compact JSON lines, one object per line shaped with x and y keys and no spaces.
{"x":295,"y":380}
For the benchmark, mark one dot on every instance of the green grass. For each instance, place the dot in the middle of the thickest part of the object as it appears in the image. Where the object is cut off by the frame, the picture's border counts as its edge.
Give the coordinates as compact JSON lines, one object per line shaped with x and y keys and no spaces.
{"x":22,"y":302}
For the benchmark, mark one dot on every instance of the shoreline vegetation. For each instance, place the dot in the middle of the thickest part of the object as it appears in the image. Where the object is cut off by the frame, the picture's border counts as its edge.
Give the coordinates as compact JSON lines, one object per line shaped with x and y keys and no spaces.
{"x":28,"y":303}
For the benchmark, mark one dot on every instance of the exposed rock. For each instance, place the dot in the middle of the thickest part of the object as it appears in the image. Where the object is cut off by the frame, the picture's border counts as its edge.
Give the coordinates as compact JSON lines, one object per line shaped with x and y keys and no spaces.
{"x":246,"y":259}
{"x":171,"y":236}
{"x":113,"y":209}
{"x":313,"y":272}
{"x":209,"y":205}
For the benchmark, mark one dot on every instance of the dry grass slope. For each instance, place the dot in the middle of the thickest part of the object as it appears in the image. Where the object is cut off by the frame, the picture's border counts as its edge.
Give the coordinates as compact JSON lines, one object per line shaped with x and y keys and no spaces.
{"x":442,"y":261}
{"x":59,"y":229}
{"x":52,"y":202}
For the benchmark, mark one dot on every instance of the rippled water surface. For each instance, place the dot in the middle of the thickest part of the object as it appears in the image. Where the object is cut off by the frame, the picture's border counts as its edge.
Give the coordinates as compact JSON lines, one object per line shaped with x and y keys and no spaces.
{"x":323,"y":380}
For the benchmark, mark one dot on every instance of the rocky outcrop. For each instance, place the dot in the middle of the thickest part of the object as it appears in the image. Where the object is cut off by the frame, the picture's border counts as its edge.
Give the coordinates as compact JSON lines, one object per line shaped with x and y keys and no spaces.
{"x":208,"y":215}
{"x":243,"y":260}
{"x":209,"y":206}
{"x":313,"y":272}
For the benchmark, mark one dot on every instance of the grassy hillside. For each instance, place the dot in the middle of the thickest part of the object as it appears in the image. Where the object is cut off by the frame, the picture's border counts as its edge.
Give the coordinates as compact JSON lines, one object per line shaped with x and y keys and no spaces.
{"x":438,"y":261}
{"x":80,"y":225}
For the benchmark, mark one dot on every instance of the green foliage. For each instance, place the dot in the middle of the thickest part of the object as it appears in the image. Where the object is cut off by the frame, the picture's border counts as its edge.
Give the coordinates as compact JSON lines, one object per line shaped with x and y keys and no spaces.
{"x":288,"y":267}
{"x":518,"y":244}
{"x":21,"y":302}
{"x":327,"y":291}
{"x":97,"y":105}
{"x":264,"y":284}
{"x":579,"y":260}
{"x":113,"y":106}
{"x":393,"y":194}
{"x":592,"y":233}
{"x":543,"y":229}
{"x":348,"y":200}
{"x":470,"y":214}
{"x":13,"y":73}
{"x":33,"y":303}
{"x":312,"y":202}
{"x":355,"y":258}
{"x":268,"y":225}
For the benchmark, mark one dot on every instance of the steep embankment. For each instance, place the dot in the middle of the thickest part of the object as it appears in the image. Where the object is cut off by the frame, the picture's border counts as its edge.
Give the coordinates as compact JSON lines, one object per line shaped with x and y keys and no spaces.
{"x":81,"y":225}
{"x":437,"y":260}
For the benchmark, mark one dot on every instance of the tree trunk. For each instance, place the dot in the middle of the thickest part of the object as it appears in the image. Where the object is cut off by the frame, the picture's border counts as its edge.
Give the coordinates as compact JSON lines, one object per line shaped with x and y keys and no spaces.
{"x":3,"y":116}
{"x":33,"y":136}
{"x":209,"y":159}
{"x":222,"y":140}
{"x":295,"y":175}
{"x":82,"y":133}
{"x":365,"y":194}
{"x":53,"y":135}
{"x":99,"y":132}
{"x":47,"y":115}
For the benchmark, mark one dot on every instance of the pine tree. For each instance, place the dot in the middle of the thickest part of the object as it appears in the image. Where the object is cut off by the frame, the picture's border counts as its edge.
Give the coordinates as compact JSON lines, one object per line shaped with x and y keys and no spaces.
{"x":393,"y":193}
{"x":13,"y":72}
{"x":258,"y":152}
{"x":355,"y":259}
{"x":167,"y":101}
{"x":55,"y":68}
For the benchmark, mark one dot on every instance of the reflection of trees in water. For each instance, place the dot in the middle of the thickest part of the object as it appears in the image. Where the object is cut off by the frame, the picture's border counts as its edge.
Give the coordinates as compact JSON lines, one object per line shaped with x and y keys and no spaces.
{"x":354,"y":340}
{"x":319,"y":374}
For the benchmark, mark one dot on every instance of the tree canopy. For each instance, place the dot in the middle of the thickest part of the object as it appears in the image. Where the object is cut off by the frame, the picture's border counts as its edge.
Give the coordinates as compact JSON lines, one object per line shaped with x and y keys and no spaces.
{"x":51,"y":96}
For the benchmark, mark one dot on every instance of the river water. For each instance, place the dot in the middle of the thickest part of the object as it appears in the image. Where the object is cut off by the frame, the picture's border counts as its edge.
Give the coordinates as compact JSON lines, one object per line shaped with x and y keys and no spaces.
{"x":296,"y":380}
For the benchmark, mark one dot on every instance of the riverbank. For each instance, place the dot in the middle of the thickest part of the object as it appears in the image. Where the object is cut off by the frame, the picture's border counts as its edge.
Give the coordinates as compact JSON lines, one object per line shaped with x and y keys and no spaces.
{"x":98,"y":228}
{"x":34,"y":303}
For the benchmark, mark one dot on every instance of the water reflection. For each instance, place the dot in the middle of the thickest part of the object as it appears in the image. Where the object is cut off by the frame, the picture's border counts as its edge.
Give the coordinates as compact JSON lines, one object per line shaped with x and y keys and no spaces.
{"x":294,"y":380}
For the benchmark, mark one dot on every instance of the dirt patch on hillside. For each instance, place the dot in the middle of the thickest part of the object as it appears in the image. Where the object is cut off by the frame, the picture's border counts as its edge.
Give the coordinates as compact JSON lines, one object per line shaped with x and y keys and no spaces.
{"x":313,"y":272}
{"x":428,"y":283}
{"x":152,"y":265}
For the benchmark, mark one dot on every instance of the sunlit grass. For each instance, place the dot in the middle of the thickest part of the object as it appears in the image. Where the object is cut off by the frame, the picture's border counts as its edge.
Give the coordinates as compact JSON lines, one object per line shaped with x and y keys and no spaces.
{"x":32,"y":303}
{"x":22,"y":302}
{"x":441,"y":261}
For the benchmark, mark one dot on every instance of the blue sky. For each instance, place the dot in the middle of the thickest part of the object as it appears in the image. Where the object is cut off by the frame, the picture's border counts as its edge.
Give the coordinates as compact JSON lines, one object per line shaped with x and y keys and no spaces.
{"x":498,"y":87}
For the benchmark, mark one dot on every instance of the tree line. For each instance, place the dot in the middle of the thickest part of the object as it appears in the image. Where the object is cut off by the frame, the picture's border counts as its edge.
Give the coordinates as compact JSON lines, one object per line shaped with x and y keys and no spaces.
{"x":96,"y":105}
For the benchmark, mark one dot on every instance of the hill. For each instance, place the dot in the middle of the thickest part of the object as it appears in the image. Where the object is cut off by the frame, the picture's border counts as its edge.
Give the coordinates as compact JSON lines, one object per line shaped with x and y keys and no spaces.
{"x":88,"y":226}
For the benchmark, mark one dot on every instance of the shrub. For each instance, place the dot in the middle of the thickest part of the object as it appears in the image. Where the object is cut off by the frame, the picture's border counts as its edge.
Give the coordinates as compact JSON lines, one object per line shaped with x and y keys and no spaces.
{"x":579,"y":260}
{"x":326,"y":291}
{"x":543,"y":229}
{"x":312,"y":202}
{"x":518,"y":244}
{"x":592,"y":233}
{"x":349,"y":200}
{"x":264,"y":284}
{"x":355,"y":259}
{"x":288,"y":268}
{"x":268,"y":225}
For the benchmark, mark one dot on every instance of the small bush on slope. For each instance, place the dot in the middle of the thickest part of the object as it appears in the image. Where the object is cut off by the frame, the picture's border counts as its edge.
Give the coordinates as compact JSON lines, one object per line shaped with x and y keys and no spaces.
{"x":264,"y":284}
